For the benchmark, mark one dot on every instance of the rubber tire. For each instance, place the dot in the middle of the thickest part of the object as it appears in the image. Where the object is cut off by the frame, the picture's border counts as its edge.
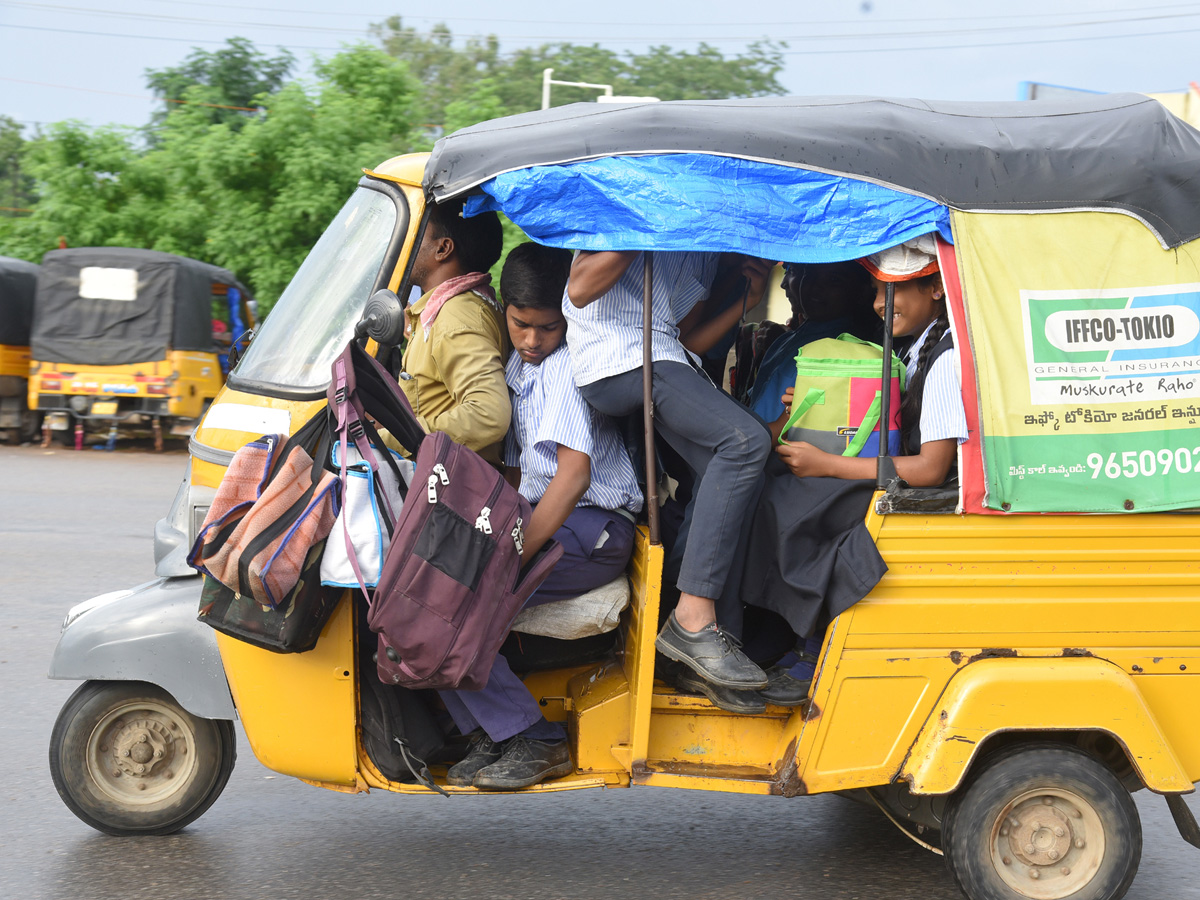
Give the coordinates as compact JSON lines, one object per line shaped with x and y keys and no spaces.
{"x":76,"y":782}
{"x":971,"y":811}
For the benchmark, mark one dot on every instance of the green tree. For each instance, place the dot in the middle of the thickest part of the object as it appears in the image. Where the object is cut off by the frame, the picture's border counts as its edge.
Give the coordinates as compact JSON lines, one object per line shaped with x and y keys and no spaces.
{"x":253,"y":197}
{"x":447,"y":73}
{"x":79,"y":177}
{"x":476,"y":76}
{"x":16,"y":184}
{"x":235,"y":76}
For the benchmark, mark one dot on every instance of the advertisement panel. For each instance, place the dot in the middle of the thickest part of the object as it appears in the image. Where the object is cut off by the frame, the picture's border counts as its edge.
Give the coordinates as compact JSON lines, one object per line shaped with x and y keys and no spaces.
{"x":1087,"y":346}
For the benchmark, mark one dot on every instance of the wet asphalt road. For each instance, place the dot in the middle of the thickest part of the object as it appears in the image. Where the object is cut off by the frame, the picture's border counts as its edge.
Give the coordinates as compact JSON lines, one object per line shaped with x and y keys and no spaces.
{"x":73,"y":525}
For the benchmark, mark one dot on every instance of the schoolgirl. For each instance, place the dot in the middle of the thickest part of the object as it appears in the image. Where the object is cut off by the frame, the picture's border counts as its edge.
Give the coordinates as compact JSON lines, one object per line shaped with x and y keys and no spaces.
{"x":932,"y":419}
{"x":797,"y":571}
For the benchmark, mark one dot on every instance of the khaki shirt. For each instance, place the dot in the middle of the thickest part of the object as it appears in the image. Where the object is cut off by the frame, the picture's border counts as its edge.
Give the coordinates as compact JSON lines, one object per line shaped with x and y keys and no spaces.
{"x":455,"y":379}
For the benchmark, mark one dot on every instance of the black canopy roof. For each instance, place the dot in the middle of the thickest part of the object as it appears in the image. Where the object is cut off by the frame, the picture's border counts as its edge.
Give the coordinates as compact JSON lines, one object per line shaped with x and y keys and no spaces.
{"x":18,"y":283}
{"x":171,"y":308}
{"x":1122,"y":152}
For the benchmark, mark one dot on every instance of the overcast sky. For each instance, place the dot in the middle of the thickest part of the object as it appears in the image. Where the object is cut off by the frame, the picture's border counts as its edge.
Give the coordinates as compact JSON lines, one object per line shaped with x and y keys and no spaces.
{"x":85,"y":59}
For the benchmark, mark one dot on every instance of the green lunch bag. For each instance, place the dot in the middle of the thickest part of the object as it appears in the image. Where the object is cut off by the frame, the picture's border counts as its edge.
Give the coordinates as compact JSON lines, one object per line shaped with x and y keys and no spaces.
{"x":837,"y":402}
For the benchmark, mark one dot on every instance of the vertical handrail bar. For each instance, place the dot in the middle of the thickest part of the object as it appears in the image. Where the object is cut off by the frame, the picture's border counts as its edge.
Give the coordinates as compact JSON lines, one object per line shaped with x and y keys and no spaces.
{"x":886,"y":469}
{"x":648,"y":396}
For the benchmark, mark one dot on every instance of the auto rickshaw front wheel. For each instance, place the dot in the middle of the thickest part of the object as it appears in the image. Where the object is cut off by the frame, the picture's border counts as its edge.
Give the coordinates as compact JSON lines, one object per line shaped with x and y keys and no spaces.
{"x":128,"y":760}
{"x":1042,"y":822}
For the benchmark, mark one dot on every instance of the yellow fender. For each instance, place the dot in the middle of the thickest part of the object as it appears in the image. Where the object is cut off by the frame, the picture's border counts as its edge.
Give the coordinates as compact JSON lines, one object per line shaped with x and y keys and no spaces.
{"x":991,"y":696}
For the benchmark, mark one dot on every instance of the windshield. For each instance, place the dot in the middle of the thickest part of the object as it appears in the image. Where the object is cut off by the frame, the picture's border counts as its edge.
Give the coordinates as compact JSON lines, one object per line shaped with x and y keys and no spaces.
{"x":314,"y":318}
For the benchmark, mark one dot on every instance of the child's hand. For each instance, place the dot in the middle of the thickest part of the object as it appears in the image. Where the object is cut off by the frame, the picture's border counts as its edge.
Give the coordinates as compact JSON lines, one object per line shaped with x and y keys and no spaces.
{"x":788,"y":396}
{"x":802,"y":458}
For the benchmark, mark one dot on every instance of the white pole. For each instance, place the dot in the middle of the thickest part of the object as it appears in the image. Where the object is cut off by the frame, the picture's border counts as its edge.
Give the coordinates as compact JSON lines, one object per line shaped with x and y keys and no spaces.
{"x":547,"y":81}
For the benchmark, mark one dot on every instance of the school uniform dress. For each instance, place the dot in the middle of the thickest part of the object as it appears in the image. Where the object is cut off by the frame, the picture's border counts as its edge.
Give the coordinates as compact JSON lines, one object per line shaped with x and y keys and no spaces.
{"x":722,"y":442}
{"x":942,"y":413}
{"x":597,"y":537}
{"x":811,"y":557}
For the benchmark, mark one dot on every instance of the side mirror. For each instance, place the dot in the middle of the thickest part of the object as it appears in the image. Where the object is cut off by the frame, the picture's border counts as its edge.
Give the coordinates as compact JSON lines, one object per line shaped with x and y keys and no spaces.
{"x":239,"y":346}
{"x":382,"y":319}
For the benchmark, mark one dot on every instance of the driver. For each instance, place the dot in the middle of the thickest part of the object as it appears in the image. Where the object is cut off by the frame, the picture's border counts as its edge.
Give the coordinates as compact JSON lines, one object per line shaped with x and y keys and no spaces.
{"x":453,"y":366}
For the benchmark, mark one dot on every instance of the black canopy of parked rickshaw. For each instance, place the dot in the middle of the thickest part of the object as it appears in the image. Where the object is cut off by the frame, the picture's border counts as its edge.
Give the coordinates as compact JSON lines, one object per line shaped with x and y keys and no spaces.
{"x":172,"y":308}
{"x":1117,"y":152}
{"x":18,"y":283}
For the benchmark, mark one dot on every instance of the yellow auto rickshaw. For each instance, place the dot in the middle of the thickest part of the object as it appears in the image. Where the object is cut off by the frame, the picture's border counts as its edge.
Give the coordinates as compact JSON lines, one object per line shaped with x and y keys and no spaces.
{"x":18,"y":284}
{"x":1021,"y":668}
{"x":125,"y":335}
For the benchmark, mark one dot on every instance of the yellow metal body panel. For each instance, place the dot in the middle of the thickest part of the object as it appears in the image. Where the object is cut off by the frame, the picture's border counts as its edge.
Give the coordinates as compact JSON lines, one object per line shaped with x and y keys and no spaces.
{"x":300,"y":709}
{"x":866,"y":745}
{"x":14,"y":361}
{"x":236,"y":418}
{"x":961,"y":590}
{"x":689,"y":732}
{"x":406,"y":169}
{"x":199,"y":380}
{"x":1069,"y":694}
{"x":1174,"y":701}
{"x":638,"y":662}
{"x":193,"y":378}
{"x":602,"y":707}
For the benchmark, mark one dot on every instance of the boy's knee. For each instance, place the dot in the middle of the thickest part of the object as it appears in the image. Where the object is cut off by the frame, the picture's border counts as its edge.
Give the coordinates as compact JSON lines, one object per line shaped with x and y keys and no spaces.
{"x":758,"y":444}
{"x":748,"y":443}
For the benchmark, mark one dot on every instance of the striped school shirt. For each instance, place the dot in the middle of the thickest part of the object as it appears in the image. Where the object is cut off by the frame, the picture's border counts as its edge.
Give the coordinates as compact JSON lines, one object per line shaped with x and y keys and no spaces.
{"x":942,"y":413}
{"x":605,"y":337}
{"x":548,"y":410}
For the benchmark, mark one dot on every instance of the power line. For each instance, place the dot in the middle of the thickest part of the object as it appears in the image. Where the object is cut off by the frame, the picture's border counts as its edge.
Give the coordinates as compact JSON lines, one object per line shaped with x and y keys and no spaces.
{"x":154,"y":37}
{"x":807,"y":37}
{"x":808,"y":52}
{"x":675,"y":24}
{"x":907,"y":48}
{"x":156,"y":17}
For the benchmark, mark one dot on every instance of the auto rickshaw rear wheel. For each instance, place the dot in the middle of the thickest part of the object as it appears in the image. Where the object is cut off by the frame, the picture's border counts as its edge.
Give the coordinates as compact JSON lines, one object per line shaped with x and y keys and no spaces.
{"x":1042,"y":822}
{"x":127,"y":759}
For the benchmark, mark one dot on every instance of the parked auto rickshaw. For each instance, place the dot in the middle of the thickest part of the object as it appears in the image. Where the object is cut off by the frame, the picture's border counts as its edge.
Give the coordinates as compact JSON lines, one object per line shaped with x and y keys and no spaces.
{"x":18,"y":283}
{"x":126,"y":335}
{"x":1019,"y":670}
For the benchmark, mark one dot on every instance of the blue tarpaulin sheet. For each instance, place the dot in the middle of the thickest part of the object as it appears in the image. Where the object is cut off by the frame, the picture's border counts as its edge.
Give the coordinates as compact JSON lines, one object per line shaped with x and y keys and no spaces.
{"x":692,"y":201}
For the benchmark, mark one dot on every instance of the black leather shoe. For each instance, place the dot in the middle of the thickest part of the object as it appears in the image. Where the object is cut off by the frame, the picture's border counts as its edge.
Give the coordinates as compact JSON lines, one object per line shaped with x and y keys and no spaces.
{"x":784,"y":690}
{"x":746,"y":702}
{"x":484,"y":751}
{"x":712,"y":654}
{"x":525,"y":763}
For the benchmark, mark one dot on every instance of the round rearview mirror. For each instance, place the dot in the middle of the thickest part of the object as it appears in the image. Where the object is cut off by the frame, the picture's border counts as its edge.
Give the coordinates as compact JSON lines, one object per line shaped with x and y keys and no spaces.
{"x":382,"y":319}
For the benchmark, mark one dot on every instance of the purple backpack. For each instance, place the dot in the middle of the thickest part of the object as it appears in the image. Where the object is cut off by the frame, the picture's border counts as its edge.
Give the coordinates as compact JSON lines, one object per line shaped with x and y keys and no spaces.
{"x":452,"y":581}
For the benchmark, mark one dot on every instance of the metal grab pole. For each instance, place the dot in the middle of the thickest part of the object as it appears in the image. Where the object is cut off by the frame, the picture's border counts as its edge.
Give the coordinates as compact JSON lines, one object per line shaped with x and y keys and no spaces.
{"x":886,"y":468}
{"x":648,"y":397}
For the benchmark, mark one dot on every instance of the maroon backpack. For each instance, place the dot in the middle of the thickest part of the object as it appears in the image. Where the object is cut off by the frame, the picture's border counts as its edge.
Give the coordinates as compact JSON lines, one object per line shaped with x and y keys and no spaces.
{"x":452,"y":580}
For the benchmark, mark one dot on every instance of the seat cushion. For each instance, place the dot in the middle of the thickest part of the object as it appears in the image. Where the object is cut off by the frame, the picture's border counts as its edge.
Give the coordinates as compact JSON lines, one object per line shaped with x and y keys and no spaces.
{"x":596,"y":612}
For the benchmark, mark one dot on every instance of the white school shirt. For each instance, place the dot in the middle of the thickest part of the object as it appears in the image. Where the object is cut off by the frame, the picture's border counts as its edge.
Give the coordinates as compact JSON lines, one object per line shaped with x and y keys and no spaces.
{"x":548,"y":410}
{"x":942,"y":413}
{"x":605,"y":337}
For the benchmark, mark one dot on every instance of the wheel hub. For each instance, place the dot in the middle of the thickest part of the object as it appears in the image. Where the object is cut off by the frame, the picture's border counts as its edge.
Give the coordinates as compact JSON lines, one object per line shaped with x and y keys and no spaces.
{"x":1041,"y":837}
{"x":141,"y":754}
{"x":1048,"y":844}
{"x":141,"y":747}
